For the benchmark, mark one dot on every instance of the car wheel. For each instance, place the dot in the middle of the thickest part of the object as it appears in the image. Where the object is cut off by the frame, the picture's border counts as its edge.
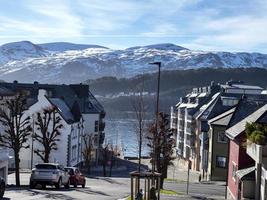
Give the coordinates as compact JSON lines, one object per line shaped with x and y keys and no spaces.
{"x":2,"y":189}
{"x":75,"y":184}
{"x":43,"y":186}
{"x":67,"y":185}
{"x":58,"y":184}
{"x":32,"y":185}
{"x":83,"y":185}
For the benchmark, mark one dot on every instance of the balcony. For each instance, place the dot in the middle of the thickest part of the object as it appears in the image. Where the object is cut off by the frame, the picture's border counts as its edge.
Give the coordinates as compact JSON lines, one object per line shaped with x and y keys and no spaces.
{"x":257,"y":152}
{"x":188,"y":131}
{"x":189,"y":142}
{"x":174,"y":115}
{"x":173,"y":126}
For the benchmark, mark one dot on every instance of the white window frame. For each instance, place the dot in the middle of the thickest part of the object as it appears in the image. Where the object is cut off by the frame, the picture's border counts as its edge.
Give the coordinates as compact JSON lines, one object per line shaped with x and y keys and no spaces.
{"x":225,"y":161}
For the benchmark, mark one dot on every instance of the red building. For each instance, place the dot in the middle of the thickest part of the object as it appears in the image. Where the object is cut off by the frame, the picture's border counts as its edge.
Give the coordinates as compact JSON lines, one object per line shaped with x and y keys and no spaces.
{"x":238,"y":160}
{"x":241,"y":167}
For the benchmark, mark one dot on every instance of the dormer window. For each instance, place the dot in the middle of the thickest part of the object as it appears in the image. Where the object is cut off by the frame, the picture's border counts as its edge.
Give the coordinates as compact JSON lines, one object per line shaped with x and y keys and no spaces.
{"x":229,"y":101}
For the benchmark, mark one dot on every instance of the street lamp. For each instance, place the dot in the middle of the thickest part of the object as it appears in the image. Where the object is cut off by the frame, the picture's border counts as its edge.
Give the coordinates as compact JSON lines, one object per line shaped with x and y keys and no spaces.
{"x":32,"y":141}
{"x":157,"y":112}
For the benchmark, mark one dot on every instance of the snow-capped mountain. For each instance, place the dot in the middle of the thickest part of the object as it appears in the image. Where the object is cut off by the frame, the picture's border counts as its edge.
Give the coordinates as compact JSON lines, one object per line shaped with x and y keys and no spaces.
{"x":74,"y":63}
{"x":19,"y":51}
{"x":66,"y":46}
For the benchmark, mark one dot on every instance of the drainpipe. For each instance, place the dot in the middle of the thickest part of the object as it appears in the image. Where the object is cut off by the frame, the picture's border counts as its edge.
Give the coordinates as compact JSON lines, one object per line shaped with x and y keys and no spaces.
{"x":258,"y":172}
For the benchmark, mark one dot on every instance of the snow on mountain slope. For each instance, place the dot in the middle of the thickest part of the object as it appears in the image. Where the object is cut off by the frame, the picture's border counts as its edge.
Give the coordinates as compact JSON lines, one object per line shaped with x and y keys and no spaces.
{"x":71,"y":63}
{"x":20,"y":50}
{"x":66,"y":46}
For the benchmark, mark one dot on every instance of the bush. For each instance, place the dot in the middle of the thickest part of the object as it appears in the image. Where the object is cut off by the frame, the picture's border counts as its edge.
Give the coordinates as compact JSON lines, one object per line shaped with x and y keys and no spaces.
{"x":256,"y":133}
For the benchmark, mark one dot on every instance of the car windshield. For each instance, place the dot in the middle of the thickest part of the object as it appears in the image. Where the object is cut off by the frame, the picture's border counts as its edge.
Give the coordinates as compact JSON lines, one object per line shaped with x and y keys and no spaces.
{"x":45,"y":166}
{"x":70,"y":171}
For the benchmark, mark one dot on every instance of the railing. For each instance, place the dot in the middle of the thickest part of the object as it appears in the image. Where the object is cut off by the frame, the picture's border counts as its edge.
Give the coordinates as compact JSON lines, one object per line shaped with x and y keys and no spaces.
{"x":189,"y":142}
{"x":257,"y":152}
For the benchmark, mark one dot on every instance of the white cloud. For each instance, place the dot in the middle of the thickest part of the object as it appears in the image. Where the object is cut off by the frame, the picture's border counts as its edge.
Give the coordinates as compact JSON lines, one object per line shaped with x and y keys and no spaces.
{"x":199,"y":24}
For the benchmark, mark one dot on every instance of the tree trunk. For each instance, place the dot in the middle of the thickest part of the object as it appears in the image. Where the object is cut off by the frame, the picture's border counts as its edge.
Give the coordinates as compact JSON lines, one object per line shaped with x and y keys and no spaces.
{"x":46,"y":156}
{"x":89,"y":169}
{"x":111,"y":165}
{"x":104,"y":170}
{"x":17,"y":161}
{"x":163,"y":176}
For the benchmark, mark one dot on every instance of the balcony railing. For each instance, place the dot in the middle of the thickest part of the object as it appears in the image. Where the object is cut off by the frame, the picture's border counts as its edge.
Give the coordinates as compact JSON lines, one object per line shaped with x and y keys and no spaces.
{"x":257,"y":152}
{"x":190,"y":142}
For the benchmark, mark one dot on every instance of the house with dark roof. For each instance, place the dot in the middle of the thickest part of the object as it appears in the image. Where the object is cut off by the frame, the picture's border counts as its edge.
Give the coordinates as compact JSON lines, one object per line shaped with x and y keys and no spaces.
{"x":218,"y":146}
{"x":193,"y":113}
{"x":186,"y":124}
{"x":243,"y":179}
{"x":80,"y":112}
{"x":220,"y":103}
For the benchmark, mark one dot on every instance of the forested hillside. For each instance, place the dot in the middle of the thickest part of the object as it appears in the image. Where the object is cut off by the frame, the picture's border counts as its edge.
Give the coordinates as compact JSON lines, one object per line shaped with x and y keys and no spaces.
{"x":173,"y":85}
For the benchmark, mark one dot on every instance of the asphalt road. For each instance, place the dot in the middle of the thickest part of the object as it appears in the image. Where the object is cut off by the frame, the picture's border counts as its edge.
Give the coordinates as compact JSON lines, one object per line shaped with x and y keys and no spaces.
{"x":96,"y":189}
{"x":102,"y":188}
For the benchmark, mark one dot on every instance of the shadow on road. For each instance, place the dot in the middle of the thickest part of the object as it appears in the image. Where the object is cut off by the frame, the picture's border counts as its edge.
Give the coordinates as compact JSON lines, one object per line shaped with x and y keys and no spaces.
{"x":129,"y":166}
{"x":57,"y":194}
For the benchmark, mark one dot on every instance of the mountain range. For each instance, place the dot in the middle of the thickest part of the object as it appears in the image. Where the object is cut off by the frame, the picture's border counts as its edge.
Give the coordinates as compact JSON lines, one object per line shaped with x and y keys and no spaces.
{"x":62,"y":62}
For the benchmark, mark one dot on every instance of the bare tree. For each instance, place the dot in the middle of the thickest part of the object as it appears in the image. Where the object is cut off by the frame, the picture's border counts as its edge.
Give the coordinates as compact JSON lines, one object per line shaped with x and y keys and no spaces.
{"x":87,"y":150}
{"x":48,"y":125}
{"x":105,"y":157}
{"x":16,"y":126}
{"x":163,"y":145}
{"x":139,"y":109}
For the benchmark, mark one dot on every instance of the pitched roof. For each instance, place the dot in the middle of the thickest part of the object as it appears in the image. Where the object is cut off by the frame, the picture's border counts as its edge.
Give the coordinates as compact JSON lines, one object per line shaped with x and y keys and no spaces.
{"x":238,"y":128}
{"x":63,"y":109}
{"x":244,"y":172}
{"x":70,"y":94}
{"x":242,"y":86}
{"x":205,"y":107}
{"x":5,"y":92}
{"x":223,"y":119}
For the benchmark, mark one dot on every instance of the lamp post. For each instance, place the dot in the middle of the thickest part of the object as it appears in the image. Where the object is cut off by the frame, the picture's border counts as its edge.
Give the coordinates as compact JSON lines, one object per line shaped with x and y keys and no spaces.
{"x":32,"y":141}
{"x":157,"y":112}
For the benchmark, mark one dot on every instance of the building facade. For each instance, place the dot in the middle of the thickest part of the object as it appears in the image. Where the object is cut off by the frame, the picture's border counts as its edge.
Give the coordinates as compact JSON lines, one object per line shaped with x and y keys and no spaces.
{"x":80,"y":113}
{"x":193,"y":113}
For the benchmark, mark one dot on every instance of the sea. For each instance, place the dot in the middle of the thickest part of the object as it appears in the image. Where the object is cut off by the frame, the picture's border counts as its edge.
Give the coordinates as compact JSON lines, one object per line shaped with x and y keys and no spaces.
{"x":123,"y":134}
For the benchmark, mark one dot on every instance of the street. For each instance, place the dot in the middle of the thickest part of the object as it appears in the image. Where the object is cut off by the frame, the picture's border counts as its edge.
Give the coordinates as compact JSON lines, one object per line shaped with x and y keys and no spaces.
{"x":96,"y":188}
{"x":105,"y":188}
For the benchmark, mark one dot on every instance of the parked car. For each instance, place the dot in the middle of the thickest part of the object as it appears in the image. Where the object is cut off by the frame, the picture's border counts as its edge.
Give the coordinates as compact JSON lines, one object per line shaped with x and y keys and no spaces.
{"x":76,"y":177}
{"x":2,"y":187}
{"x":49,"y":174}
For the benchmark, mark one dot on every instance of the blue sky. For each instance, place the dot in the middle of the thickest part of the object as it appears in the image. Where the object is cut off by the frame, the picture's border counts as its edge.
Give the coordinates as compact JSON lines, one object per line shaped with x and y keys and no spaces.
{"x":223,"y":25}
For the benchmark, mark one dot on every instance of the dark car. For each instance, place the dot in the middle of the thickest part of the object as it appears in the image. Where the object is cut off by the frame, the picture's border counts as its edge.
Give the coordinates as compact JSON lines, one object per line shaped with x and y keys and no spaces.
{"x":76,"y":177}
{"x":2,"y":187}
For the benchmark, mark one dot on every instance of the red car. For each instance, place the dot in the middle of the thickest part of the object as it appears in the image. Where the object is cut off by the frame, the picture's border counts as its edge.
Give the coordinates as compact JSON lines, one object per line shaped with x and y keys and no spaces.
{"x":76,"y":177}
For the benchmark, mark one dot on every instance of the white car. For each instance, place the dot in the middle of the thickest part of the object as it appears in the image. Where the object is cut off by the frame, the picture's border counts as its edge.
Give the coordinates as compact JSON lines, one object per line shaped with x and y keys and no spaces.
{"x":49,"y":174}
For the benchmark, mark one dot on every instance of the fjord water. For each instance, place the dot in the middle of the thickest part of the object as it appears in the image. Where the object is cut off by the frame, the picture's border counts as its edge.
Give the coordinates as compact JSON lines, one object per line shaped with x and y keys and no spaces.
{"x":123,"y":133}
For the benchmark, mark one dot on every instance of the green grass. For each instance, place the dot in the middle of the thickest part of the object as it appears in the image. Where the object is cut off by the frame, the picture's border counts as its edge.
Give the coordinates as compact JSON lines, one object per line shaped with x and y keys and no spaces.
{"x":163,"y":191}
{"x":169,"y":192}
{"x":173,"y":180}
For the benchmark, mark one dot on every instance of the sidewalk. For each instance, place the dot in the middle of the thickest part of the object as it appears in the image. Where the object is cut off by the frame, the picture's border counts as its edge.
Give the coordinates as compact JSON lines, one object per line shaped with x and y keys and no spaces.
{"x":178,"y":172}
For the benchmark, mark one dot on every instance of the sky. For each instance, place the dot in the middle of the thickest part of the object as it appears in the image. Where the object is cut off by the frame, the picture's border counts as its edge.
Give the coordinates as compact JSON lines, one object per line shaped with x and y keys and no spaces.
{"x":217,"y":25}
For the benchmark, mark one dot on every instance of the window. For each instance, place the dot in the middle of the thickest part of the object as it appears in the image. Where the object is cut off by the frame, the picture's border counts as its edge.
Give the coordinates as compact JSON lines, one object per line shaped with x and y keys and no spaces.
{"x":222,"y":138}
{"x":96,"y":126}
{"x":234,"y":169}
{"x":73,"y":152}
{"x":221,"y":161}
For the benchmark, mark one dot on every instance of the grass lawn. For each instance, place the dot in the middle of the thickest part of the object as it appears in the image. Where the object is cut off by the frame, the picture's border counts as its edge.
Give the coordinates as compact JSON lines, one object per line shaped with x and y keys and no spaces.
{"x":174,"y":180}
